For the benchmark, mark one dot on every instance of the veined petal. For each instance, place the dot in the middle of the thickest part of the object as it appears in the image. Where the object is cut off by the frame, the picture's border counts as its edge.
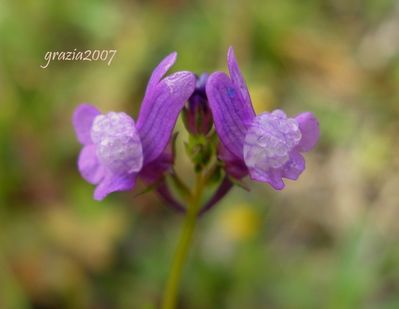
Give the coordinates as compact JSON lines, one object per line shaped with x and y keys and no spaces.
{"x":294,"y":167}
{"x":158,"y":115}
{"x":238,"y":80}
{"x":233,"y":165}
{"x":159,"y":72}
{"x":82,"y":120}
{"x":89,"y":166}
{"x":231,"y":114}
{"x":112,"y":183}
{"x":310,"y":130}
{"x":155,"y":169}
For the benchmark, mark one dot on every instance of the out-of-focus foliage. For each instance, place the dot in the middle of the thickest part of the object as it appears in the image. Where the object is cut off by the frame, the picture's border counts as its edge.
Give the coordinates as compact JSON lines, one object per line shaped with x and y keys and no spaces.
{"x":329,"y":240}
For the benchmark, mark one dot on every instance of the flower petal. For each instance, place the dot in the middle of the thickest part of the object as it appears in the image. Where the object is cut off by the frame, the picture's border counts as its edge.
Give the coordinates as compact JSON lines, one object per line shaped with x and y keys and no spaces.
{"x":238,"y":79}
{"x":310,"y":130}
{"x":159,"y":72}
{"x":155,"y":169}
{"x":89,"y":166}
{"x":234,"y":166}
{"x":294,"y":167}
{"x":272,"y":177}
{"x":82,"y":120}
{"x":118,"y":144}
{"x":158,"y":116}
{"x":231,"y":114}
{"x":112,"y":183}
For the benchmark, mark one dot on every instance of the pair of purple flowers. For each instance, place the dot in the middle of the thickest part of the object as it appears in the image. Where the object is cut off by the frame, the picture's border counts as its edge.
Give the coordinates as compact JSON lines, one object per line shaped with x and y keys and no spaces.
{"x":116,"y":150}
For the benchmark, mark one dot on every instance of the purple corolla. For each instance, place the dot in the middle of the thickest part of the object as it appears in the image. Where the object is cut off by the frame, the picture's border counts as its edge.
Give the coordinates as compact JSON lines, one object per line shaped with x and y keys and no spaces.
{"x":267,"y":146}
{"x":116,"y":149}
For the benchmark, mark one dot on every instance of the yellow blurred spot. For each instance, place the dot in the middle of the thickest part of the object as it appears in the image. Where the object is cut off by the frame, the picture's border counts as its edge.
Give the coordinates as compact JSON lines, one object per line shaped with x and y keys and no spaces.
{"x":262,"y":98}
{"x":373,"y":153}
{"x":91,"y":238}
{"x":240,"y":222}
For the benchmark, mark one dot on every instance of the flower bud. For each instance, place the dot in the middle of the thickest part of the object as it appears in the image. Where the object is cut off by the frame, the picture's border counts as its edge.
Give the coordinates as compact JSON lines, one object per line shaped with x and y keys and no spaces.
{"x":197,"y":116}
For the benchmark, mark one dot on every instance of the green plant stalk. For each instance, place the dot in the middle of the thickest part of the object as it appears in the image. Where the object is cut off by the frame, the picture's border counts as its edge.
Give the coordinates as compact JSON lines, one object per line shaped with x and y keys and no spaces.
{"x":186,"y":236}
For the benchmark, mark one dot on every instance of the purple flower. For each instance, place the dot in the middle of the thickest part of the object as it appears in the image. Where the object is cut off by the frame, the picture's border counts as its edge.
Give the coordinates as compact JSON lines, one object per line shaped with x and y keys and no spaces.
{"x":267,"y":146}
{"x":116,"y":149}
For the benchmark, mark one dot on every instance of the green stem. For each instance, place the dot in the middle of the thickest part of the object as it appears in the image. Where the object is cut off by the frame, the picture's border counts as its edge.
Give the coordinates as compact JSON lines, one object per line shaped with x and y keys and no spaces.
{"x":186,"y":236}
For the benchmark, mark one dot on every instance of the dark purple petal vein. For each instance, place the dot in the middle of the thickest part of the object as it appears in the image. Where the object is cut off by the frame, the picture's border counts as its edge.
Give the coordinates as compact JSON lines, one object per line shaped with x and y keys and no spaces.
{"x":158,"y":73}
{"x":158,"y":116}
{"x":238,"y":80}
{"x":231,"y":115}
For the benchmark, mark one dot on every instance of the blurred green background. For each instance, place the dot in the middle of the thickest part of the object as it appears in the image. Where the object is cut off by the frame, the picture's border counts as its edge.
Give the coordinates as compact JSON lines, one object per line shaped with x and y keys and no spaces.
{"x":329,"y":240}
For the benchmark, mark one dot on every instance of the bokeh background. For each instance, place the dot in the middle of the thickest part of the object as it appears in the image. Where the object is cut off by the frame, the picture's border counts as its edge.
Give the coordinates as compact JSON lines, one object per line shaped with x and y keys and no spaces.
{"x":329,"y":240}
